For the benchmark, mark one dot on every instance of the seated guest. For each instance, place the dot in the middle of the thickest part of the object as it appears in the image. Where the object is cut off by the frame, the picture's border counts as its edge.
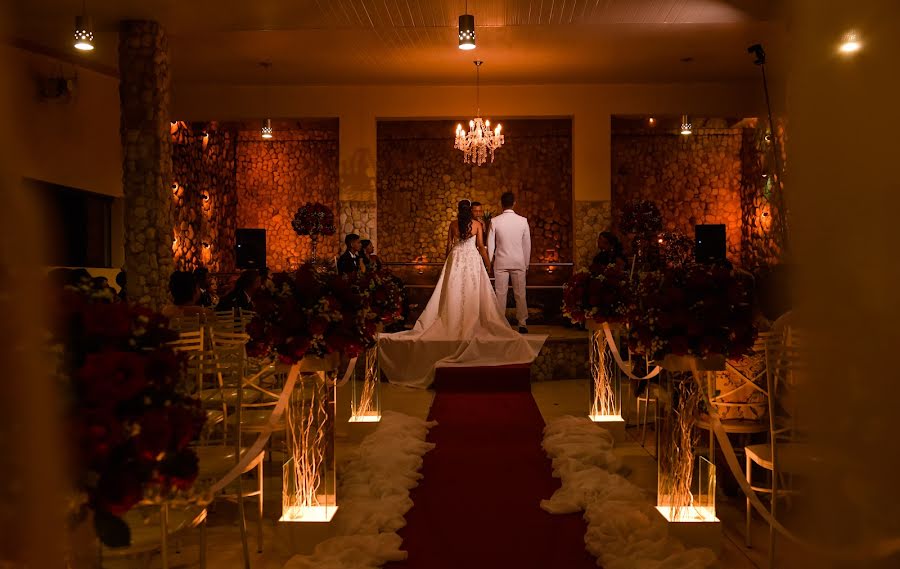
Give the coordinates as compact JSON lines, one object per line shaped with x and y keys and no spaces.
{"x":350,"y":261}
{"x":241,"y":296}
{"x":609,"y":250}
{"x":185,"y":294}
{"x":369,"y":258}
{"x":204,"y":283}
{"x":265,"y":277}
{"x":121,"y":280}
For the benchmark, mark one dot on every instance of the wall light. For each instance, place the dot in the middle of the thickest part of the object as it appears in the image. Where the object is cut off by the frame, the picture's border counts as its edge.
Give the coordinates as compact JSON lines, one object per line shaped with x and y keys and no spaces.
{"x":467,"y":30}
{"x":174,"y":187}
{"x":651,"y":121}
{"x":686,"y":127}
{"x":206,"y":245}
{"x":850,"y":43}
{"x":206,"y":197}
{"x":267,"y":132}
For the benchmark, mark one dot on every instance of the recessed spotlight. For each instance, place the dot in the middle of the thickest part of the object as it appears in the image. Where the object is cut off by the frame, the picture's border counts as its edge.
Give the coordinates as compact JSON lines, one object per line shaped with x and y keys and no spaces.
{"x":850,"y":43}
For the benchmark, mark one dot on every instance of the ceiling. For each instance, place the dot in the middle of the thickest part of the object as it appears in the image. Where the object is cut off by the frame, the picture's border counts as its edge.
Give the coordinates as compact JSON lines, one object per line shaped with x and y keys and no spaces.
{"x":414,"y":41}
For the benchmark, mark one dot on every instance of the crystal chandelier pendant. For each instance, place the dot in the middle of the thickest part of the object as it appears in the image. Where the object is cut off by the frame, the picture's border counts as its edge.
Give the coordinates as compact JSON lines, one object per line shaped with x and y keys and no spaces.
{"x":479,"y":141}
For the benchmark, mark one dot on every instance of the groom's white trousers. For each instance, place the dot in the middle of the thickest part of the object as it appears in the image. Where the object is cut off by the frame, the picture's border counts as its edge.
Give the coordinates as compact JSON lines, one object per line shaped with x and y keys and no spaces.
{"x":502,"y":277}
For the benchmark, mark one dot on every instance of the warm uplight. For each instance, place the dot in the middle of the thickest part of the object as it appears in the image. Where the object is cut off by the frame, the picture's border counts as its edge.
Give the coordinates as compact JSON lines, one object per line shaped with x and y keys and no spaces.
{"x":366,"y":418}
{"x":606,"y":418}
{"x":688,"y":513}
{"x":321,"y":514}
{"x":267,"y":132}
{"x":84,"y":33}
{"x":850,"y":43}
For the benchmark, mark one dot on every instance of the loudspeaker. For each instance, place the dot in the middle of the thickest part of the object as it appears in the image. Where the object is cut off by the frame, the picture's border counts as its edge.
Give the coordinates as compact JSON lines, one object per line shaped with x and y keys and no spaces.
{"x":709,"y":243}
{"x":250,"y":248}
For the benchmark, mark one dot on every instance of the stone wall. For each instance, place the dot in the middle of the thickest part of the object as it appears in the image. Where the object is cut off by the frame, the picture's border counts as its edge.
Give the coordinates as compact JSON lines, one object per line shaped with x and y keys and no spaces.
{"x":591,"y":218}
{"x":276,"y":177}
{"x":692,"y":179}
{"x":762,"y":208}
{"x":205,"y":197}
{"x":421,"y":177}
{"x":144,"y":91}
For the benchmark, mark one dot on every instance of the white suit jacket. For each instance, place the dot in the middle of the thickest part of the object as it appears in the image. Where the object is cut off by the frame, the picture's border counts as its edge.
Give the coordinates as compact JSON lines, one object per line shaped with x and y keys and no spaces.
{"x":509,"y":241}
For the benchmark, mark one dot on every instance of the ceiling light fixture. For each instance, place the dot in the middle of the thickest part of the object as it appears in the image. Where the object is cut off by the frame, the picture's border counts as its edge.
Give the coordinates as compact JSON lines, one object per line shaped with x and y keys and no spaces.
{"x":480,"y":140}
{"x":850,"y":44}
{"x":467,"y":30}
{"x":84,"y":30}
{"x":686,"y":127}
{"x":266,"y":132}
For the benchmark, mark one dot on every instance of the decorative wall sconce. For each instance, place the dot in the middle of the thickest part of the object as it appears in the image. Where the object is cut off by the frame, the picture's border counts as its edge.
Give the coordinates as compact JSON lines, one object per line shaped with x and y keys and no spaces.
{"x":651,"y":121}
{"x":206,"y":197}
{"x":175,"y":187}
{"x":420,"y":268}
{"x":205,"y":245}
{"x":551,"y":256}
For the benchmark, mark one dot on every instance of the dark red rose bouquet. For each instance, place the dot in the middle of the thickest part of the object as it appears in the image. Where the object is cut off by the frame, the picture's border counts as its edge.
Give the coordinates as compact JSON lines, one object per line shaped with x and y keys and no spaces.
{"x":312,"y":312}
{"x":676,"y":248}
{"x":602,"y":294}
{"x":130,"y":415}
{"x":384,"y":292}
{"x":694,"y":311}
{"x":313,"y":219}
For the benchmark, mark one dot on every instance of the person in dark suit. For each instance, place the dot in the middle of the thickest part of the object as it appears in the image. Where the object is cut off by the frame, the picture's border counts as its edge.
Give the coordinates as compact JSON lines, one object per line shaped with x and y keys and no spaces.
{"x":350,"y":260}
{"x":207,"y":298}
{"x":609,"y":250}
{"x":241,"y":296}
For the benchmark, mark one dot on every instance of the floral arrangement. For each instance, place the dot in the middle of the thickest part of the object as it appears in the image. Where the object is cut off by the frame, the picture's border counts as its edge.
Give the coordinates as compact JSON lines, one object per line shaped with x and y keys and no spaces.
{"x":130,"y":417}
{"x":602,"y":295}
{"x":641,"y":218}
{"x":312,"y":312}
{"x":695,"y":311}
{"x":677,"y":249}
{"x":313,"y":219}
{"x":385,"y":294}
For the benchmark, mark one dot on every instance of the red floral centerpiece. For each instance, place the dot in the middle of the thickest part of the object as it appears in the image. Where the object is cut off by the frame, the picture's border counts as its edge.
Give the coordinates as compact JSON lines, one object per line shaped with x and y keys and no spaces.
{"x":696,"y":311}
{"x":385,"y":295}
{"x":129,"y":413}
{"x":602,"y":294}
{"x":313,"y":220}
{"x":642,"y":220}
{"x":312,"y":313}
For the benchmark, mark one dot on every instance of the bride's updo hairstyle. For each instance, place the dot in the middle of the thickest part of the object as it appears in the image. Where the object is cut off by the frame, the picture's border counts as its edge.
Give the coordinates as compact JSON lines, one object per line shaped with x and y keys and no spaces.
{"x":464,"y":218}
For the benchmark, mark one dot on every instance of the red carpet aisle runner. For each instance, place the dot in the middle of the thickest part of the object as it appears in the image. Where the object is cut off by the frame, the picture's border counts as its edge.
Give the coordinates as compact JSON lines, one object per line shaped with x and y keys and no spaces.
{"x":478,"y":505}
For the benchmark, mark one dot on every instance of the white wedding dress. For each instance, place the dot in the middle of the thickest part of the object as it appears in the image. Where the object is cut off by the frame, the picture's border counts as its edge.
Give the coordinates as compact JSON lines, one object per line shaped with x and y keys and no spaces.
{"x":461,"y":326}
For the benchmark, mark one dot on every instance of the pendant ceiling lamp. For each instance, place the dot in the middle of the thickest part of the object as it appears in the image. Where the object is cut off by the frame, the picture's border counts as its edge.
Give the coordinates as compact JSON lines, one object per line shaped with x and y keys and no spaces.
{"x":686,"y":127}
{"x":467,"y":30}
{"x":84,"y":30}
{"x":266,"y":132}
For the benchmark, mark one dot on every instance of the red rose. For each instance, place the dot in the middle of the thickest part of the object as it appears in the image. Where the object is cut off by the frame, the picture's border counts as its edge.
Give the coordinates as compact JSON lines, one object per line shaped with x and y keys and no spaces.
{"x":110,"y":377}
{"x":155,"y":435}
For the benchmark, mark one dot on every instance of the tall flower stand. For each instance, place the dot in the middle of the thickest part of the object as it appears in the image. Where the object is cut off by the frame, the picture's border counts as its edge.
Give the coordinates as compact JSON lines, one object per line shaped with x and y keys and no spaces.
{"x":686,"y":482}
{"x":606,"y":379}
{"x":365,"y":402}
{"x":309,"y":491}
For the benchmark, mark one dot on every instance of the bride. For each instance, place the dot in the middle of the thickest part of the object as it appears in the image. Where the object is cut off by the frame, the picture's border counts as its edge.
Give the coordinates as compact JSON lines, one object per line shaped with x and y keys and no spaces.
{"x":462,"y":325}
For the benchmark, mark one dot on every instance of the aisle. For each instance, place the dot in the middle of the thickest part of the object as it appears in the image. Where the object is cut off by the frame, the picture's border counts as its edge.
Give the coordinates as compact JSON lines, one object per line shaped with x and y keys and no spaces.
{"x":478,"y":505}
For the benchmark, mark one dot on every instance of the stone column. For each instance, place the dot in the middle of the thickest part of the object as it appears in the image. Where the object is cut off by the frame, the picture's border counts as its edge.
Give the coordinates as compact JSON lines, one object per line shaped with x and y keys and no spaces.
{"x":147,"y":169}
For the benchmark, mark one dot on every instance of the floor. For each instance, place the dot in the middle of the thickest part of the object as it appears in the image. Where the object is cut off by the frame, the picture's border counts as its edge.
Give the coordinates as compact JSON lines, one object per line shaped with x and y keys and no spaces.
{"x":554,"y":399}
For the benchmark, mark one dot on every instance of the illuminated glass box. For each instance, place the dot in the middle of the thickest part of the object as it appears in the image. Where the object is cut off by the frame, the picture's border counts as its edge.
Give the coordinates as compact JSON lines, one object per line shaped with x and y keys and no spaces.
{"x":365,"y":389}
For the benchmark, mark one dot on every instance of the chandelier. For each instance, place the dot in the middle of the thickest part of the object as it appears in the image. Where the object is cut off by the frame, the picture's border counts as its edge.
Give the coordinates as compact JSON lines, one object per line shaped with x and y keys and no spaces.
{"x":480,"y":140}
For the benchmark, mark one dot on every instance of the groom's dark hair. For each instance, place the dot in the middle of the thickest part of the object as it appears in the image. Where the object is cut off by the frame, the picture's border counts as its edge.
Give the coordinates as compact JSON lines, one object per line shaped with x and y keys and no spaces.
{"x":507,"y":200}
{"x":350,"y":239}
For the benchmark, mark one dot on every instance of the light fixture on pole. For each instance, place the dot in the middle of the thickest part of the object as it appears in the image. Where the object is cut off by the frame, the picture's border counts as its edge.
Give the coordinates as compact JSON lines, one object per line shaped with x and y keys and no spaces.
{"x":480,"y":140}
{"x":266,"y":132}
{"x":84,"y":30}
{"x":467,"y":30}
{"x":686,"y":127}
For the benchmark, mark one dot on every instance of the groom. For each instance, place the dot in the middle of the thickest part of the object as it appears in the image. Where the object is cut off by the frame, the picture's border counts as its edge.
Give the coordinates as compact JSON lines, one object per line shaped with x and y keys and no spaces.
{"x":509,"y":247}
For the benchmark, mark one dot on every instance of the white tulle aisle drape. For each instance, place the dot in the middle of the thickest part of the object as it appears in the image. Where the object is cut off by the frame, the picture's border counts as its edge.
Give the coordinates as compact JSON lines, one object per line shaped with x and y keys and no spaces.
{"x":374,"y":492}
{"x":624,"y":529}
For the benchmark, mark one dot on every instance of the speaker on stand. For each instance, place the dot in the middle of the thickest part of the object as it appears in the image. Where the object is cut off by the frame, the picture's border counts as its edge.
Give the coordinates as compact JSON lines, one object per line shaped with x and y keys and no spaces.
{"x":250,"y":248}
{"x":709,"y":243}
